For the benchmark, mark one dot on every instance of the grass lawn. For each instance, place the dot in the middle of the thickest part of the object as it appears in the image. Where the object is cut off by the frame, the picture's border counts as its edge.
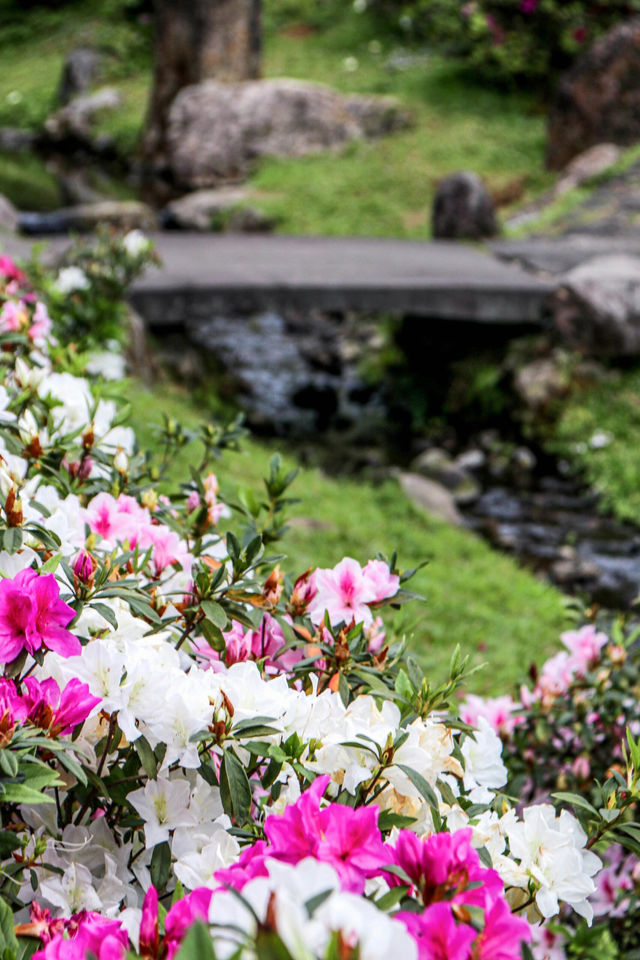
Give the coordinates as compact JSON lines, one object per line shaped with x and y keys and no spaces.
{"x":497,"y":612}
{"x":374,"y":188}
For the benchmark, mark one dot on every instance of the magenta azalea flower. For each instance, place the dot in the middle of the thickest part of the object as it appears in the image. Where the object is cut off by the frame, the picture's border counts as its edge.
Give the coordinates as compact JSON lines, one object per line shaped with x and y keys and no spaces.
{"x":32,"y":616}
{"x":348,"y":839}
{"x":437,"y":934}
{"x":55,"y":710}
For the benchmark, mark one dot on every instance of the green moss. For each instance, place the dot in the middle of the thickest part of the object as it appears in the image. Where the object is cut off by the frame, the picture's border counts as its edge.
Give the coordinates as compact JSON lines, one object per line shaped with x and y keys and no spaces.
{"x":599,"y":431}
{"x":497,"y":612}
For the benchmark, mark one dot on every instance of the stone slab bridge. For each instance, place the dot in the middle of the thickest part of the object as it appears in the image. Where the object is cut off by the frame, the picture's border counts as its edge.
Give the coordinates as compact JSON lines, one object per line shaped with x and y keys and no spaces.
{"x":231,"y":273}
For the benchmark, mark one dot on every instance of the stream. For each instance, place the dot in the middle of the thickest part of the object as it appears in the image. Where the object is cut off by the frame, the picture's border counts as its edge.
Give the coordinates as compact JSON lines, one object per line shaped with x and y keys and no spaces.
{"x":300,"y":377}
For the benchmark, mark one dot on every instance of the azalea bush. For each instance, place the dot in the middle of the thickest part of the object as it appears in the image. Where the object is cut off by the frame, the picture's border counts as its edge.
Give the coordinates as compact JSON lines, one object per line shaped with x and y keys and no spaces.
{"x":568,"y":738}
{"x":504,"y":39}
{"x":203,"y":755}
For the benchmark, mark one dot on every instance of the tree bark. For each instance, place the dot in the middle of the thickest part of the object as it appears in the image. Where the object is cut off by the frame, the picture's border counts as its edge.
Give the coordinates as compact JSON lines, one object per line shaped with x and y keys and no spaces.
{"x":197,"y":40}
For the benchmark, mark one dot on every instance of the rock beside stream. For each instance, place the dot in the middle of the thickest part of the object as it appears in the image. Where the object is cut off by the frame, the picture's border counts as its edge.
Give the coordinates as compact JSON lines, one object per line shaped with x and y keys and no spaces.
{"x":216,"y":130}
{"x":596,"y":310}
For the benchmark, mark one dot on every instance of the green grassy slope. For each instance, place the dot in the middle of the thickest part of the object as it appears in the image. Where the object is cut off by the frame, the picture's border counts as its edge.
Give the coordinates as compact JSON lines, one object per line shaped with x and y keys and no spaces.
{"x":499,"y":613}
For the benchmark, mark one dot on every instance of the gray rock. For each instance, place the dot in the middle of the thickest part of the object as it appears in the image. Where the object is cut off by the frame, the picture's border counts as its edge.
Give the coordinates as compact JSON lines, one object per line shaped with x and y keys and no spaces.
{"x":75,"y":120}
{"x":81,"y":69}
{"x":436,"y":464}
{"x":431,"y":496}
{"x":216,"y":130}
{"x":596,"y":310}
{"x":463,"y":209}
{"x":224,"y":208}
{"x":598,"y":99}
{"x":8,"y":216}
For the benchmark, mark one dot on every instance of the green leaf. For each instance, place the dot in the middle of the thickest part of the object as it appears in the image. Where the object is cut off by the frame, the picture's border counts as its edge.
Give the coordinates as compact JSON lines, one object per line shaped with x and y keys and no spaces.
{"x":392,"y":898}
{"x":9,"y":763}
{"x":215,"y":613}
{"x":105,"y":612}
{"x":8,"y":843}
{"x":20,"y":793}
{"x":197,"y":945}
{"x":147,"y":757}
{"x":160,"y":865}
{"x":576,"y":800}
{"x":12,"y":539}
{"x":8,"y":941}
{"x":52,"y":564}
{"x":235,"y":789}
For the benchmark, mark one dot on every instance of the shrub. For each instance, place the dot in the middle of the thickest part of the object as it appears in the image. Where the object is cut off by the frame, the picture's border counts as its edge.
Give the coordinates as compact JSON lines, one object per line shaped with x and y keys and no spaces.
{"x":509,"y":39}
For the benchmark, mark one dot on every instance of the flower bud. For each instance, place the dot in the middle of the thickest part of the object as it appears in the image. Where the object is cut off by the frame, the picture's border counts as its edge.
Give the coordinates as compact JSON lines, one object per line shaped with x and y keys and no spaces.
{"x":121,"y":461}
{"x":84,"y":567}
{"x":6,"y":483}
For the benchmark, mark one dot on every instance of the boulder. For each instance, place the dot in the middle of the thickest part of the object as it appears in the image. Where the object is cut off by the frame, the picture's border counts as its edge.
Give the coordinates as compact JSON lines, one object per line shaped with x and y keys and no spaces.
{"x":8,"y":216}
{"x":80,"y":71}
{"x":598,"y":99}
{"x":216,"y":130}
{"x":223,"y":209}
{"x":431,"y":496}
{"x":76,"y":119}
{"x":596,"y":310}
{"x":463,"y":209}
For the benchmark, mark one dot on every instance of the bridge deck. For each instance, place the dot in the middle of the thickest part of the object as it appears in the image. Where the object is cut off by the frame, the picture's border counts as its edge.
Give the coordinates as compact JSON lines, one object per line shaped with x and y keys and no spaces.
{"x":254,"y":272}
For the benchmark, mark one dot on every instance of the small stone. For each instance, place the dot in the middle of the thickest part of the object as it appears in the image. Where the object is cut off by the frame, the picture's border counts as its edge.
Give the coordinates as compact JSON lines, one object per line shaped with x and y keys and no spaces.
{"x":81,"y":69}
{"x":431,"y":496}
{"x":524,"y":459}
{"x":467,"y":491}
{"x":463,"y":209}
{"x":471,"y":460}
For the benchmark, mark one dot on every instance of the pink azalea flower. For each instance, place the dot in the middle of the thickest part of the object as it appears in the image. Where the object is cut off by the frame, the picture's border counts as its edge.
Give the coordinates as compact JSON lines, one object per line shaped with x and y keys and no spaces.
{"x":384,"y":583}
{"x":503,"y":934}
{"x":32,"y":616}
{"x":183,"y":914}
{"x":446,"y":864}
{"x":548,"y":945}
{"x":40,"y":325}
{"x":87,"y":934}
{"x":437,"y":934}
{"x":250,"y":864}
{"x":9,"y":270}
{"x":12,"y":316}
{"x":55,"y":710}
{"x":348,"y":839}
{"x":498,"y":711}
{"x":104,"y":516}
{"x":13,"y":708}
{"x":345,"y":593}
{"x":584,"y":646}
{"x":149,"y":934}
{"x":193,"y":501}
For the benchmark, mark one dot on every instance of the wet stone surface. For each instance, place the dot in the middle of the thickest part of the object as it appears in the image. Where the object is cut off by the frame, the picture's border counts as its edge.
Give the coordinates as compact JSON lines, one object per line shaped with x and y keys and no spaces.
{"x":555,"y":528}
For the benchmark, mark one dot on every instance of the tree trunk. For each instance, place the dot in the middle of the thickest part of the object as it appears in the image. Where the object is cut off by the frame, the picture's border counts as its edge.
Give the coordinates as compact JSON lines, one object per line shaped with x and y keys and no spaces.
{"x":197,"y":40}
